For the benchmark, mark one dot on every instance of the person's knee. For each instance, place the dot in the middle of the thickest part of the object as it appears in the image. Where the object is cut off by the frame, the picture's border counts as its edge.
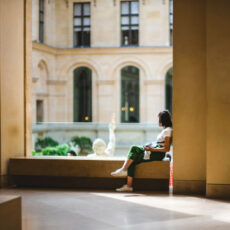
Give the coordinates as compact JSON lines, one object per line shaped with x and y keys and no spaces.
{"x":133,"y":148}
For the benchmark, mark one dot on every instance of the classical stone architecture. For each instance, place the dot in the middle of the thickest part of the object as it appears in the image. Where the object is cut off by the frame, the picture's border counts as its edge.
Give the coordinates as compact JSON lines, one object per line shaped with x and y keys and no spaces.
{"x":201,"y":105}
{"x":128,"y":36}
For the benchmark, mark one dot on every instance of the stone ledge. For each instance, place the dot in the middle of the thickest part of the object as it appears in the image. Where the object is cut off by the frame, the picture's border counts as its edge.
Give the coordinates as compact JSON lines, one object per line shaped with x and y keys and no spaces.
{"x":83,"y":167}
{"x":10,"y":212}
{"x":189,"y":187}
{"x":221,"y":191}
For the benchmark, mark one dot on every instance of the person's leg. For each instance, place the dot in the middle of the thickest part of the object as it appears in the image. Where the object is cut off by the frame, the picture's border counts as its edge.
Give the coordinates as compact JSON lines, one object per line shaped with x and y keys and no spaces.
{"x":136,"y":154}
{"x":130,"y":181}
{"x":127,"y":163}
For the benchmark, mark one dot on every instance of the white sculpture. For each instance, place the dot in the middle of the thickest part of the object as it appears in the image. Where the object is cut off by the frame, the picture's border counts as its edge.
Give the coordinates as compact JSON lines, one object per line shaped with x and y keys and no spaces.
{"x":99,"y":145}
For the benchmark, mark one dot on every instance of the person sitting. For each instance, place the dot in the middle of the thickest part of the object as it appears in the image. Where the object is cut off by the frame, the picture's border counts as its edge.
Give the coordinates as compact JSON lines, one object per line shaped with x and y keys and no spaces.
{"x":71,"y":153}
{"x":152,"y":152}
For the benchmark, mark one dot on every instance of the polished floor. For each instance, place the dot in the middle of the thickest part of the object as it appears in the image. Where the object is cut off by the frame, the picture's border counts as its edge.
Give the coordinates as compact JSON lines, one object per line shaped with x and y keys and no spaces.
{"x":106,"y":210}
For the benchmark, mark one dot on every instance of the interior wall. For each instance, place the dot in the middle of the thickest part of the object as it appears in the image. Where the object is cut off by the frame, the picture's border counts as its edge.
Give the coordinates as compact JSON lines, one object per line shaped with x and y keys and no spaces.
{"x":12,"y":81}
{"x":189,"y":96}
{"x":218,"y":93}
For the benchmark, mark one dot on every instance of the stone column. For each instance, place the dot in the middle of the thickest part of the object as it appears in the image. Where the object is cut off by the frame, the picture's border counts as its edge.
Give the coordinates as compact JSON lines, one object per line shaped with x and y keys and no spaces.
{"x":15,"y":75}
{"x":218,"y":98}
{"x":189,"y":96}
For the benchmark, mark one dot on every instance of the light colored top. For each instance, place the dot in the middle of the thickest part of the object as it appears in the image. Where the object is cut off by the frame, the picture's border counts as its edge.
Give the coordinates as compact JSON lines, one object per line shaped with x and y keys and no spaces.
{"x":167,"y":132}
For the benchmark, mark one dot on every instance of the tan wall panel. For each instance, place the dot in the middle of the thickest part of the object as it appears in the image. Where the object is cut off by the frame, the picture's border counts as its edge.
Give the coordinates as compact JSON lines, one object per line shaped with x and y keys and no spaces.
{"x":189,"y":102}
{"x":218,"y":91}
{"x":12,"y":80}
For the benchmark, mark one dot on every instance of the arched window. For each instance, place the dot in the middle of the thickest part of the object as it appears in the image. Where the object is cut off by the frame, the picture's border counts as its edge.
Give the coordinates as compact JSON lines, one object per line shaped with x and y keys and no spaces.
{"x":130,"y":94}
{"x":82,"y":96}
{"x":168,"y":90}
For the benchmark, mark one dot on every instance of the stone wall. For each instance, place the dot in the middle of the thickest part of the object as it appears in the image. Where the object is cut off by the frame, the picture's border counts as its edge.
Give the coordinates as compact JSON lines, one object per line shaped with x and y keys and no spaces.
{"x":105,"y":23}
{"x":53,"y":80}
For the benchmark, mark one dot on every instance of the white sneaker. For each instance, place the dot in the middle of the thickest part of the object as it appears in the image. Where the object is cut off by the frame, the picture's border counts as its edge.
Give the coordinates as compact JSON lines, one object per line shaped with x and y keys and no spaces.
{"x":119,"y":173}
{"x":125,"y":188}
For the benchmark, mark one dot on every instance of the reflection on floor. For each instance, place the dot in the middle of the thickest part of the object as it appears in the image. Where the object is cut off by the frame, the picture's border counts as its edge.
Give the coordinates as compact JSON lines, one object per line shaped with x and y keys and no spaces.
{"x":106,"y":210}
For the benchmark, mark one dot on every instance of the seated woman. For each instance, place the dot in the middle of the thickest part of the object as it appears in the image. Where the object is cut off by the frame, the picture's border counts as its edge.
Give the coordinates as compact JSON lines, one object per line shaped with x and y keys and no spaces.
{"x":151,"y":152}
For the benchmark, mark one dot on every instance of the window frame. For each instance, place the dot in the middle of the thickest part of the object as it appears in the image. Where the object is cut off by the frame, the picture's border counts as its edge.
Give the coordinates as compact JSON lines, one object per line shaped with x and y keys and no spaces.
{"x":170,"y":22}
{"x":82,"y":26}
{"x":41,"y":20}
{"x":86,"y":110}
{"x":126,"y":80}
{"x":129,"y":25}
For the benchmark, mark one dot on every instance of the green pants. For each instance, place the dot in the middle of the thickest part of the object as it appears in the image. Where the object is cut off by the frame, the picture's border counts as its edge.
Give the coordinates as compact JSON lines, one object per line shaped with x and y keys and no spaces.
{"x":136,"y":153}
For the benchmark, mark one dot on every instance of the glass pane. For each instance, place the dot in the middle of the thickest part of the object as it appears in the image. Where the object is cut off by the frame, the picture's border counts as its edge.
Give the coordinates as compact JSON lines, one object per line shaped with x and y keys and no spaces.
{"x":125,"y":38}
{"x":82,"y":95}
{"x":86,"y":9}
{"x":168,"y":90}
{"x":86,"y":38}
{"x":130,"y":94}
{"x":134,"y":7}
{"x":77,"y":29}
{"x":171,"y":18}
{"x":41,"y":5}
{"x":77,"y":9}
{"x":124,"y":28}
{"x":39,"y":111}
{"x":124,"y":7}
{"x":86,"y":29}
{"x":77,"y":38}
{"x":134,"y":28}
{"x":124,"y":20}
{"x":170,"y":6}
{"x":134,"y":20}
{"x":86,"y":21}
{"x":77,"y":22}
{"x":41,"y":17}
{"x":41,"y":32}
{"x":134,"y":37}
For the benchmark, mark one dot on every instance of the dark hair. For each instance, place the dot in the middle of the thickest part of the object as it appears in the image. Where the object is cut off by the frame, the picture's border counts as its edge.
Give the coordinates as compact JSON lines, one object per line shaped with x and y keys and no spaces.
{"x":165,"y":118}
{"x":72,"y":152}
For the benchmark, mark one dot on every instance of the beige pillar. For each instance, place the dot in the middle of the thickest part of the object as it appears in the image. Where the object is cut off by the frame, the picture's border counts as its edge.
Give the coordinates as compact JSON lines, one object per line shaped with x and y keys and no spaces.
{"x":218,"y":94}
{"x":15,"y":75}
{"x":189,"y":102}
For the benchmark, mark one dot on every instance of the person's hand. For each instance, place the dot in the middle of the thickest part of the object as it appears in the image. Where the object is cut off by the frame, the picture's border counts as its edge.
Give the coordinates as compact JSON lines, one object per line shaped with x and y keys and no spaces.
{"x":147,"y":148}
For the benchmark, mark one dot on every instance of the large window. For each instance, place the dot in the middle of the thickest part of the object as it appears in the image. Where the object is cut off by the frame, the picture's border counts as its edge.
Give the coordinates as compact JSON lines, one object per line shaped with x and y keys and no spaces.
{"x":82,"y":87}
{"x":171,"y":21}
{"x":169,"y":90}
{"x":130,"y":94}
{"x":129,"y":23}
{"x":81,"y":25}
{"x":39,"y":111}
{"x":41,"y":20}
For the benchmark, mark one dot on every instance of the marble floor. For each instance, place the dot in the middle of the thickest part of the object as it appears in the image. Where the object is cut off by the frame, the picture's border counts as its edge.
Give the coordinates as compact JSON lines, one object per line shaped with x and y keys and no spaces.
{"x":44,"y":209}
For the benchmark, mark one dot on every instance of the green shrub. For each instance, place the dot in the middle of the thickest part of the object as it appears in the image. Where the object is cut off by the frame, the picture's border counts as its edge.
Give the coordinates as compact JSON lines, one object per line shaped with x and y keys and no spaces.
{"x":60,"y":150}
{"x":34,"y":153}
{"x":85,"y":144}
{"x":45,"y":142}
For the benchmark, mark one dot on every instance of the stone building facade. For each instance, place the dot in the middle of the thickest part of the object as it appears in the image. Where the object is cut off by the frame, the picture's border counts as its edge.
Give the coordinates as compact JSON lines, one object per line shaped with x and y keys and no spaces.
{"x":110,"y":50}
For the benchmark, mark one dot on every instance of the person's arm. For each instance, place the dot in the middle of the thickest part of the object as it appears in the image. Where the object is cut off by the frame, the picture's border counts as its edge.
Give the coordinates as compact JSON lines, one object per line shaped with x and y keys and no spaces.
{"x":166,"y":147}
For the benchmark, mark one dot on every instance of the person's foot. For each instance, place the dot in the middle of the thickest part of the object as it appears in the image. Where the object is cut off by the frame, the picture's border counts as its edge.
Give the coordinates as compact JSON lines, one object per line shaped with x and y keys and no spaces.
{"x":119,"y":173}
{"x":125,"y":188}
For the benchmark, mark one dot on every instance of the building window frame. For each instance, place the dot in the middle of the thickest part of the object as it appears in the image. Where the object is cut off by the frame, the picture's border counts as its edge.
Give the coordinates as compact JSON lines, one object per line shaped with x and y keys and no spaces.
{"x":171,"y":22}
{"x":82,"y":94}
{"x":169,"y":90}
{"x":129,"y":17}
{"x":82,"y":24}
{"x":130,"y":94}
{"x":41,"y":20}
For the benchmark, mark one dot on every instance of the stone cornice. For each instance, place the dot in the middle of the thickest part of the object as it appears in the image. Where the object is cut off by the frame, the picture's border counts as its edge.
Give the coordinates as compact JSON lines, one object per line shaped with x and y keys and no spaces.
{"x":105,"y":82}
{"x":103,"y":50}
{"x":53,"y":81}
